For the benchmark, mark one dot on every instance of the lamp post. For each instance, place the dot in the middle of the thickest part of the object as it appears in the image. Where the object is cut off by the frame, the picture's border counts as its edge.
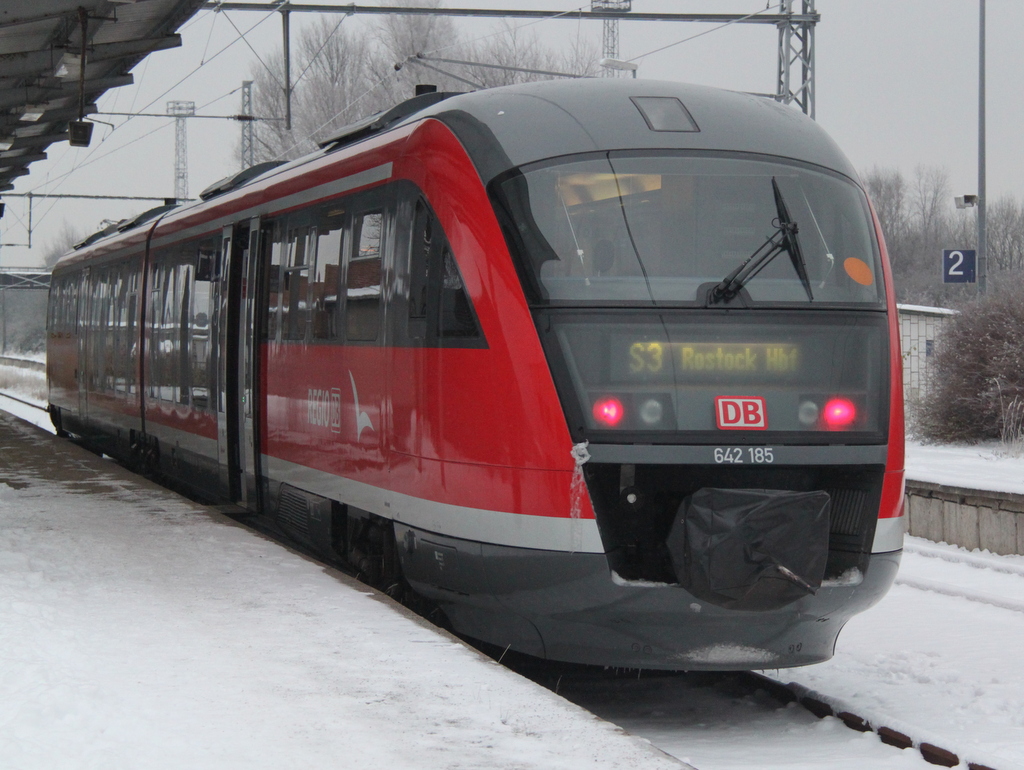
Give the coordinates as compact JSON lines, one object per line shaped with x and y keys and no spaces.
{"x":982,"y":234}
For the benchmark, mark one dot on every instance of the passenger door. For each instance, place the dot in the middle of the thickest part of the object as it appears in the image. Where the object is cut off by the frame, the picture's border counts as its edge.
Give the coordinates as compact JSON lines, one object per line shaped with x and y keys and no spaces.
{"x":236,"y":437}
{"x":247,"y":334}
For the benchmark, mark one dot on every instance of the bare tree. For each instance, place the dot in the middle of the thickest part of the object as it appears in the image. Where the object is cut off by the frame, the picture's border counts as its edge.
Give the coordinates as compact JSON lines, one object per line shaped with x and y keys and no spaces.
{"x":61,"y":243}
{"x":888,"y":191}
{"x":930,"y":199}
{"x":330,"y":91}
{"x":1006,"y":235}
{"x":519,"y":50}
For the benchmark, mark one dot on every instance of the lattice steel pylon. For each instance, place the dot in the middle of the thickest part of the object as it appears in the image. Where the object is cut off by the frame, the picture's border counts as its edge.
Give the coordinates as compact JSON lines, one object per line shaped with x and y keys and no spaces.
{"x":611,"y":31}
{"x":181,"y":111}
{"x":248,"y":148}
{"x":796,"y":49}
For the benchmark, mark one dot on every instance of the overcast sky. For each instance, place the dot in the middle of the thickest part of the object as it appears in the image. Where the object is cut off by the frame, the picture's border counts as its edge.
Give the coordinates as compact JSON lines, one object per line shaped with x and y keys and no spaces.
{"x":897,"y":86}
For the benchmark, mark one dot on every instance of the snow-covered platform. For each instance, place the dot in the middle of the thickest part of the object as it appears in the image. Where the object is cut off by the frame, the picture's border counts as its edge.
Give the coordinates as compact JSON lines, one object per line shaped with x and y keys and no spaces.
{"x":141,"y":630}
{"x":971,"y":496}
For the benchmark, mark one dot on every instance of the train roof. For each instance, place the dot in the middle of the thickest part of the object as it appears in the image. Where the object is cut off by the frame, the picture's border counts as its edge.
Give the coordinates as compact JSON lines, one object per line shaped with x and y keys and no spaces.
{"x":547,"y":119}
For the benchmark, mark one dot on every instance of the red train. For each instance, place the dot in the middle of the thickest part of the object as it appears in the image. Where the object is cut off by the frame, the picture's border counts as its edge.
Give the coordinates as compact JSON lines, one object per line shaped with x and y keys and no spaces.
{"x":608,"y":369}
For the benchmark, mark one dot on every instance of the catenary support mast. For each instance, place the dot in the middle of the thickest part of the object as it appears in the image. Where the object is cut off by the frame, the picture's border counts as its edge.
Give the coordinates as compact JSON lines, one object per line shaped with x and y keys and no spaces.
{"x":181,"y":111}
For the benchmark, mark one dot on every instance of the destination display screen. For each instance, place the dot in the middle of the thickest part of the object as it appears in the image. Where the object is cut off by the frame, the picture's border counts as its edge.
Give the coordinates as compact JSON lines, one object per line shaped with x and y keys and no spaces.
{"x":690,"y":371}
{"x":661,"y":360}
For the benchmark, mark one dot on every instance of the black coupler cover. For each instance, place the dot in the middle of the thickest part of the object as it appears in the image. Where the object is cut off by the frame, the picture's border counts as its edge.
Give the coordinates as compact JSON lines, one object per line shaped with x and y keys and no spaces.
{"x":750,"y":549}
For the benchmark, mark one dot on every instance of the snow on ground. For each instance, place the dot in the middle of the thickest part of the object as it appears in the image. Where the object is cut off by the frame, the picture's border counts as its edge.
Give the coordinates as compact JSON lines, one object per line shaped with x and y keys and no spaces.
{"x":38,"y":356}
{"x":718,"y":728}
{"x":24,"y":383}
{"x":141,"y":631}
{"x":943,"y":669}
{"x":979,"y":466}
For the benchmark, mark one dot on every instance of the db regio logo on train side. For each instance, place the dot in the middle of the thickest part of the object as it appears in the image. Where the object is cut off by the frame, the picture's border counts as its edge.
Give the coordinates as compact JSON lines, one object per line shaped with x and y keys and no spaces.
{"x":323,"y":408}
{"x":741,"y":413}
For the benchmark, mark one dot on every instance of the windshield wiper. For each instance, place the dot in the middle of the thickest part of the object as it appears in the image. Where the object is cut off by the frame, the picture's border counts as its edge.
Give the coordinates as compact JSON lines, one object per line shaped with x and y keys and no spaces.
{"x":783,"y":239}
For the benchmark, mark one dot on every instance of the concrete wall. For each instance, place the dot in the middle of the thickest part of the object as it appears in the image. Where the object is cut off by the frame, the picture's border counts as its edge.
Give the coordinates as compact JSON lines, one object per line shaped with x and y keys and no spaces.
{"x":970,"y":518}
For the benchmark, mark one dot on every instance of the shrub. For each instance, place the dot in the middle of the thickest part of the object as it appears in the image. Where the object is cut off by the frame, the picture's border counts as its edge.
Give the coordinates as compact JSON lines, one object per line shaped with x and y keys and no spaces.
{"x":977,"y":383}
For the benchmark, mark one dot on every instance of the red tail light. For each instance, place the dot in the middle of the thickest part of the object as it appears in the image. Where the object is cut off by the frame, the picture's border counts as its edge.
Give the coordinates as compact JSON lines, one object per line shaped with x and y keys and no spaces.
{"x":608,"y":412}
{"x":839,"y":413}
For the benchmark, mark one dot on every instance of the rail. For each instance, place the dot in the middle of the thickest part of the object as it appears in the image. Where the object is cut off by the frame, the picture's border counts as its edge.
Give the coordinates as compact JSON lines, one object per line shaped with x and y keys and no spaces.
{"x":33,"y":404}
{"x":23,"y":363}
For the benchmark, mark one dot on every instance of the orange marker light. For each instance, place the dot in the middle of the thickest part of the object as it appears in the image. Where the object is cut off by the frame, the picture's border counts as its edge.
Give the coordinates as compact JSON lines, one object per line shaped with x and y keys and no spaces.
{"x":859,"y":271}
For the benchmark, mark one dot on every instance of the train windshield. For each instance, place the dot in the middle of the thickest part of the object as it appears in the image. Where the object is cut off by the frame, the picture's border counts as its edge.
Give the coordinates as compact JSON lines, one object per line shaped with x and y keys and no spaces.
{"x":666,"y":229}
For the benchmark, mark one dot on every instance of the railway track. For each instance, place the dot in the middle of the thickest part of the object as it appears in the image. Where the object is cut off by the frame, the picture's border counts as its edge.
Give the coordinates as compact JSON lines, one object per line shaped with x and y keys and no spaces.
{"x":972,"y":562}
{"x":947,"y":589}
{"x":20,"y":400}
{"x":958,"y":557}
{"x":683,"y":712}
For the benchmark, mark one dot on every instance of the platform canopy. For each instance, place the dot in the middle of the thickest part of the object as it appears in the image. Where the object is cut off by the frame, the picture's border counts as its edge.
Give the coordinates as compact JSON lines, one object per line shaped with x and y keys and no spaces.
{"x":43,"y":85}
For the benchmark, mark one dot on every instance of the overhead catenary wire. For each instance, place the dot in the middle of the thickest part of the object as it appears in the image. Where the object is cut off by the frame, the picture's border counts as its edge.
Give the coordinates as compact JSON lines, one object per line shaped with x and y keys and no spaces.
{"x":705,"y":32}
{"x":315,"y":56}
{"x":239,"y":118}
{"x":452,"y":75}
{"x":254,"y":51}
{"x":524,"y":25}
{"x":209,"y":37}
{"x":419,"y":58}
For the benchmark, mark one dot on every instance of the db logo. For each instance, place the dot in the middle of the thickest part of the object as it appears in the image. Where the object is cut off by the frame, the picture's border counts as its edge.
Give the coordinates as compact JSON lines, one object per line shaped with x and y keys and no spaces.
{"x":741,"y":413}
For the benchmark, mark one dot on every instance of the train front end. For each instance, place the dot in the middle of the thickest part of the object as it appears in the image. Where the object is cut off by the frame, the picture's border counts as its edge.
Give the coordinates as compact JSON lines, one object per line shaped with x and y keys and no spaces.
{"x":711,"y":292}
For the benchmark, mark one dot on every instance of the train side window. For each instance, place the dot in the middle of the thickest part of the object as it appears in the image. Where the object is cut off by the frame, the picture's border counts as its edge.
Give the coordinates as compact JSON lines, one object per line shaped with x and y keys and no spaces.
{"x":295,"y":289}
{"x":169,"y":349}
{"x":422,"y":246}
{"x":131,"y":359}
{"x":326,"y":281}
{"x":277,"y":248}
{"x":95,"y":330}
{"x":121,"y":332}
{"x":154,"y":309}
{"x":183,"y":295}
{"x":165,"y":348}
{"x":440,"y":311}
{"x":200,"y":344}
{"x":362,"y":297}
{"x":112,"y":340}
{"x":77,"y":294}
{"x":457,"y":320}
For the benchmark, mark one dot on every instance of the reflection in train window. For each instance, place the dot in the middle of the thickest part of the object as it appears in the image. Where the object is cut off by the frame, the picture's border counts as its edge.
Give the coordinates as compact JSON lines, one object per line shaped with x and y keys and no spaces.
{"x":363,"y":281}
{"x":324,"y":285}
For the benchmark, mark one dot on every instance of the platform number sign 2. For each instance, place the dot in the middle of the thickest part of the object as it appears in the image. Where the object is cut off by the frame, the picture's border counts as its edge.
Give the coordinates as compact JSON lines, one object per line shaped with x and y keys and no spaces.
{"x":958,"y":265}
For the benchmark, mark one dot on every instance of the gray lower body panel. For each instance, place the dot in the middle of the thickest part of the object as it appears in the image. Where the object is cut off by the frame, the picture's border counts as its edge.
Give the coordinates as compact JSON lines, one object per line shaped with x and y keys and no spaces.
{"x":570,"y":607}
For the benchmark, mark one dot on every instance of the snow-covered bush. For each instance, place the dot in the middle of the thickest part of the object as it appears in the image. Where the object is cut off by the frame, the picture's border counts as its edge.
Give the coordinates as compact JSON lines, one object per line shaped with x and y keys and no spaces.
{"x":977,"y":383}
